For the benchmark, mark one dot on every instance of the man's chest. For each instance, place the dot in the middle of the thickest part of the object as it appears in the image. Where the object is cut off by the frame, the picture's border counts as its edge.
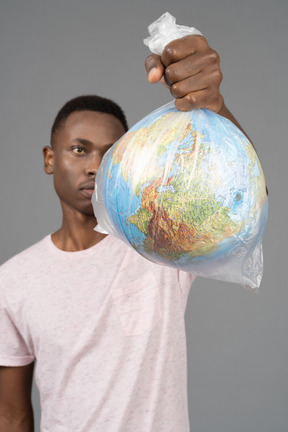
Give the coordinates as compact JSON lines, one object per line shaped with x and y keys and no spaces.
{"x":69,"y":307}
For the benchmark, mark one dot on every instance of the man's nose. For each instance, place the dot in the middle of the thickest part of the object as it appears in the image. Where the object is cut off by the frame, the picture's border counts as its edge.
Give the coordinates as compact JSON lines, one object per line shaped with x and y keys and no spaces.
{"x":92,"y":165}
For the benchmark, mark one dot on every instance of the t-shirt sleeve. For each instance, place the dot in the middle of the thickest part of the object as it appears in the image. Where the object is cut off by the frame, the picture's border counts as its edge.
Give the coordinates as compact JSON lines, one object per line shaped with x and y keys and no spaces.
{"x":13,"y":349}
{"x":185,"y":281}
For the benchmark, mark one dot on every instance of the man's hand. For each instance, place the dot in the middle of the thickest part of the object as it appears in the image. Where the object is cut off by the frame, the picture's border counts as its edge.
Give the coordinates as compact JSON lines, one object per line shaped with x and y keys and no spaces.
{"x":191,"y":69}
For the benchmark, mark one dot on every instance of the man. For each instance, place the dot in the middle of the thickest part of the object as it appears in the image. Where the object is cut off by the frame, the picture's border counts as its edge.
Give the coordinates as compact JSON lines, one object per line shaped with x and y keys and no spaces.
{"x":104,"y":325}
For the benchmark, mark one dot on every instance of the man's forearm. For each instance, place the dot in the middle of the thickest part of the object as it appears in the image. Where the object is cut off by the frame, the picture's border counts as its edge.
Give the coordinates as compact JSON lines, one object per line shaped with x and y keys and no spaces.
{"x":224,"y":112}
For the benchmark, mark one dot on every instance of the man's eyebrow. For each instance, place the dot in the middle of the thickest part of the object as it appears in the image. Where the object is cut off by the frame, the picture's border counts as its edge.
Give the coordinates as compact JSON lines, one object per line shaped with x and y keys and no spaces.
{"x":90,"y":143}
{"x":83,"y":141}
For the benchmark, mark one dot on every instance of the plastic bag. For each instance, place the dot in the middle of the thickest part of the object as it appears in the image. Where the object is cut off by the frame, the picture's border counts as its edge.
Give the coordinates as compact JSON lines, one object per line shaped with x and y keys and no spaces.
{"x":165,"y":30}
{"x":186,"y":189}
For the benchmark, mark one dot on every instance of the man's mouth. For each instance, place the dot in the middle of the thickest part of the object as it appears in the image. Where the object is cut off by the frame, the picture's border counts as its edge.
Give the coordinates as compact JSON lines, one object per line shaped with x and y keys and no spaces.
{"x":88,"y":189}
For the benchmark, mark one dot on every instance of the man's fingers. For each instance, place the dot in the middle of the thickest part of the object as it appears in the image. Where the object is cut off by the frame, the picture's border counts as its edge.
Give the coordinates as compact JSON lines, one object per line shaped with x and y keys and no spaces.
{"x":195,"y":83}
{"x":193,"y":65}
{"x":181,"y":48}
{"x":154,"y":68}
{"x":189,"y":85}
{"x":200,"y":99}
{"x":191,"y":68}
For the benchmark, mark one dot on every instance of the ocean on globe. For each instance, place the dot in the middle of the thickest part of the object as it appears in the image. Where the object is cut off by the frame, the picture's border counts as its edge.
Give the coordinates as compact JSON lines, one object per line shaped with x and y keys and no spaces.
{"x":186,"y":189}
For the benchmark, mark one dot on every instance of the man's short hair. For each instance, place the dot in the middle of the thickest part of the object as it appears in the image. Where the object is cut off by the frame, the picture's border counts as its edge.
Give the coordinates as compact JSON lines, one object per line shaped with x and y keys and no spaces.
{"x":87,"y":103}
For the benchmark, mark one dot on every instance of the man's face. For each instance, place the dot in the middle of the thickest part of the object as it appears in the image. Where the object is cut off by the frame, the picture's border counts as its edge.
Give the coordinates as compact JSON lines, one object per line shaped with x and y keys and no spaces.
{"x":76,"y":155}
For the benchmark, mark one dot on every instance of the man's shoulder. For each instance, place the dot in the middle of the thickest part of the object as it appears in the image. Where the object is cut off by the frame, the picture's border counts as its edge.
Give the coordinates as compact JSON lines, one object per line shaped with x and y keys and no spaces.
{"x":24,"y":260}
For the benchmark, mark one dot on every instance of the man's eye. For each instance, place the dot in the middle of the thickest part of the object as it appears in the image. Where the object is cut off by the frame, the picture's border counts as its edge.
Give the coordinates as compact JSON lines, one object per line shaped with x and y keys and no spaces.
{"x":78,"y":150}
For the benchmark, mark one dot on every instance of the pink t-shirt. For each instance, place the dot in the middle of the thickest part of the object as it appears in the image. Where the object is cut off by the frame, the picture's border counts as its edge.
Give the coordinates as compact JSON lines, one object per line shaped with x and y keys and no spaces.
{"x":106,"y":328}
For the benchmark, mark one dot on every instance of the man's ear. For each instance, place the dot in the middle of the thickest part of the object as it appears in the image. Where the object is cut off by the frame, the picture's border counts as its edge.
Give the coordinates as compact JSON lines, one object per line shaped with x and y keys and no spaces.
{"x":48,"y":154}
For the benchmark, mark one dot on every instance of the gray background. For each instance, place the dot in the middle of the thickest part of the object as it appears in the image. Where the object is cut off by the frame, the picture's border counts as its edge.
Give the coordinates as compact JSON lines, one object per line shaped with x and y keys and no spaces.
{"x":54,"y":50}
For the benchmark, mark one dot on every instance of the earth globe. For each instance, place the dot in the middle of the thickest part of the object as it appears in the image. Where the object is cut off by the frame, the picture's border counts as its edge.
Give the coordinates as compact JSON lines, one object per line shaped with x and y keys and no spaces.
{"x":186,"y":189}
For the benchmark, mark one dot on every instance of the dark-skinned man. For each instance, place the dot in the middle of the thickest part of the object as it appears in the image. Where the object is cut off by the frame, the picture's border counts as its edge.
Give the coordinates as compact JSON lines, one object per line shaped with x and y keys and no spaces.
{"x":103,"y":326}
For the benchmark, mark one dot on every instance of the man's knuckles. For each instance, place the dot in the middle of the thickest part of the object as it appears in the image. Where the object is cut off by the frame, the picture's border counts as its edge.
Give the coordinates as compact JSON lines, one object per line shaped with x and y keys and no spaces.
{"x":213,"y":56}
{"x":181,"y":48}
{"x":182,"y":88}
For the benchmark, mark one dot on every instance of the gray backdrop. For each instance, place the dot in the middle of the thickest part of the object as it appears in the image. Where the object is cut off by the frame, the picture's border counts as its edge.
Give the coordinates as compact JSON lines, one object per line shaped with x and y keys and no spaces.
{"x":54,"y":50}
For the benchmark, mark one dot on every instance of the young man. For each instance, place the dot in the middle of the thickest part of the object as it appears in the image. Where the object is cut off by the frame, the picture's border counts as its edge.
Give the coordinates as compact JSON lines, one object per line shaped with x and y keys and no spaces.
{"x":104,"y":327}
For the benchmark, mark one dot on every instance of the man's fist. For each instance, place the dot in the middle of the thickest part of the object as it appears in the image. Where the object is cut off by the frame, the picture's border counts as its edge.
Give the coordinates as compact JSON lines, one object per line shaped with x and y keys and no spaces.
{"x":191,"y":69}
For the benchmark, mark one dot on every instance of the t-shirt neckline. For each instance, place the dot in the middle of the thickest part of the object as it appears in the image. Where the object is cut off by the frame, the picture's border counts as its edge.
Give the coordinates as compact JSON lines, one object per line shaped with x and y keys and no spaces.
{"x":75,"y":254}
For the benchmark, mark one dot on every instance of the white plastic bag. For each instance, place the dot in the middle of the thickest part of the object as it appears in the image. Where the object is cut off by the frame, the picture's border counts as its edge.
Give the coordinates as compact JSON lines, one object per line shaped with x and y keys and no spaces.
{"x":186,"y":189}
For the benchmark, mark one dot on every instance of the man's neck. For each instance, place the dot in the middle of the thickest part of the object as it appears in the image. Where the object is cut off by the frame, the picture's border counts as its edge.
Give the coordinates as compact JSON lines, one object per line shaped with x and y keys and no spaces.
{"x":77,"y":235}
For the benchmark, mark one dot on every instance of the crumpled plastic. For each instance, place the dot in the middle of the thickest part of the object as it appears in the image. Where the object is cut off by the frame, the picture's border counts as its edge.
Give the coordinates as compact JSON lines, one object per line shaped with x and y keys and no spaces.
{"x":187,"y":190}
{"x":165,"y":30}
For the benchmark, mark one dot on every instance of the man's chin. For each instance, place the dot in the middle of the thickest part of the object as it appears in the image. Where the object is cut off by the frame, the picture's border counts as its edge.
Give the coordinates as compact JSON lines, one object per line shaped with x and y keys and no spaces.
{"x":87,"y":211}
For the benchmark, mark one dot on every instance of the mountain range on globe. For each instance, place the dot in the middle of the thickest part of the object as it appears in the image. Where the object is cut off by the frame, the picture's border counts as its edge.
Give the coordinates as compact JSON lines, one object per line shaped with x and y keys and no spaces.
{"x":184,"y":189}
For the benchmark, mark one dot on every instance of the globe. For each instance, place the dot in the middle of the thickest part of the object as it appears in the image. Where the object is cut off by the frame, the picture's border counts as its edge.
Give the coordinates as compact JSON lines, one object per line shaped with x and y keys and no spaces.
{"x":186,"y":189}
